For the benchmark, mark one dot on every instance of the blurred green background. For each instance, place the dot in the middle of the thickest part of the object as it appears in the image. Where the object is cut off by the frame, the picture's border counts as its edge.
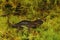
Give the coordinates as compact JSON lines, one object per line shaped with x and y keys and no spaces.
{"x":46,"y":10}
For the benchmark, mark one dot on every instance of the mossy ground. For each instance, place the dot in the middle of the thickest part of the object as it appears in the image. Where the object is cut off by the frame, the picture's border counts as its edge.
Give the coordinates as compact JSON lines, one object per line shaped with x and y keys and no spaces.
{"x":49,"y":30}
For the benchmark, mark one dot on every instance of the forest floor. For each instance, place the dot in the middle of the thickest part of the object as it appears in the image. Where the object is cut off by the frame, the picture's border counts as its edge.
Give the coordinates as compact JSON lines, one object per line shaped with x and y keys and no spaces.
{"x":48,"y":11}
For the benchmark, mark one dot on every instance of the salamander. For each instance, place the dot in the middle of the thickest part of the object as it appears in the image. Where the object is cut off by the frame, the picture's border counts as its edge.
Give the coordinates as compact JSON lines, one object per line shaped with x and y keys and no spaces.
{"x":29,"y":24}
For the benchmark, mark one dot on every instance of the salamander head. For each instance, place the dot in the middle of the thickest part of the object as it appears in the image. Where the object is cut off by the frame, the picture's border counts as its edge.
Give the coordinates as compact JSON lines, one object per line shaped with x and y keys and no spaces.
{"x":38,"y":22}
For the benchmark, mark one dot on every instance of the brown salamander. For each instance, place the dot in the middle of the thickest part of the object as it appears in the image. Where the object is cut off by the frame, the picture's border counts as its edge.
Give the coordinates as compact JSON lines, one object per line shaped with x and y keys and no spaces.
{"x":29,"y":24}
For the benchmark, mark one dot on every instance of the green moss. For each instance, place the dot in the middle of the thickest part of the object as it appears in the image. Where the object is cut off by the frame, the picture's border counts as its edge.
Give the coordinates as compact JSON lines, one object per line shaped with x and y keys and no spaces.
{"x":49,"y":13}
